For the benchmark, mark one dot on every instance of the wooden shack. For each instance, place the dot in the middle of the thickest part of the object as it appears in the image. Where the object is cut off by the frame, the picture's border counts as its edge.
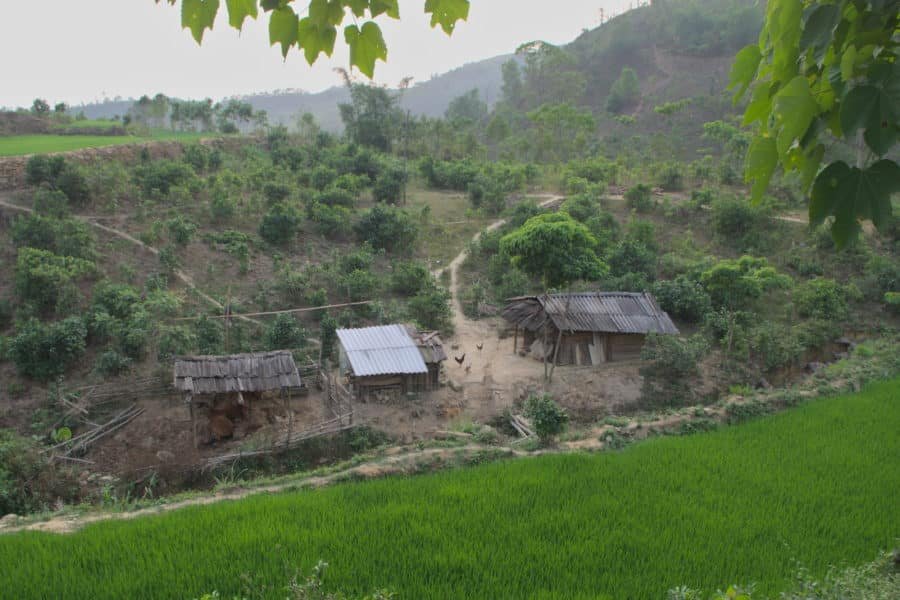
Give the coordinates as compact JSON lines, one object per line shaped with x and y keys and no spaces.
{"x":386,"y":363}
{"x":584,"y":329}
{"x":233,"y":381}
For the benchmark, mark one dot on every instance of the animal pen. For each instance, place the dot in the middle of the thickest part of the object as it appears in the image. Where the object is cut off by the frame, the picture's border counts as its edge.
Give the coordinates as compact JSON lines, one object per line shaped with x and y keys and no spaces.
{"x":385,"y":363}
{"x":585,"y":329}
{"x":238,"y":380}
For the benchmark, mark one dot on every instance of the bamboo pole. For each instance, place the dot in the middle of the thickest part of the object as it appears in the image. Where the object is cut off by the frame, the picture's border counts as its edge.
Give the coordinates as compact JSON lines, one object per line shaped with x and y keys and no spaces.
{"x":277,"y":312}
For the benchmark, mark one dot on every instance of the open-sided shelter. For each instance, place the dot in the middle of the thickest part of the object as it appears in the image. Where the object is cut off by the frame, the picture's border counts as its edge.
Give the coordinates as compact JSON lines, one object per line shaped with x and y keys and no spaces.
{"x":203,"y":379}
{"x":587,"y":328}
{"x":383,"y":363}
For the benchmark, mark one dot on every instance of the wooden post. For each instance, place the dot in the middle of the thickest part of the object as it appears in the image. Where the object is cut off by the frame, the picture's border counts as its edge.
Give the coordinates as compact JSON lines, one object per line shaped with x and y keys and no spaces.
{"x":516,"y":340}
{"x":287,"y":404}
{"x":190,"y":401}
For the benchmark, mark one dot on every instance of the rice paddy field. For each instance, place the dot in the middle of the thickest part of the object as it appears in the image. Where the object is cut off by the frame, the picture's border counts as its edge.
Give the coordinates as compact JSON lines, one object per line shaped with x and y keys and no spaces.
{"x":20,"y":145}
{"x":816,"y":485}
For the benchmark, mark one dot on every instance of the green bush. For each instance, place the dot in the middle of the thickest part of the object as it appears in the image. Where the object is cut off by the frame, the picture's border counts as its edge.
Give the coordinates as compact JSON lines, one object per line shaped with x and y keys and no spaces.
{"x":891,"y":300}
{"x":632,"y":256}
{"x":279,"y":225}
{"x":51,"y":203}
{"x":387,"y":227}
{"x":882,"y":275}
{"x":823,"y":299}
{"x":670,"y":176}
{"x":222,"y":205}
{"x":683,"y":298}
{"x":64,"y":237}
{"x":42,"y":351}
{"x":73,"y":183}
{"x":181,"y":230}
{"x":331,"y":221}
{"x":739,"y":223}
{"x":671,"y":362}
{"x":410,"y":278}
{"x":335,"y":196}
{"x":390,"y":184}
{"x":640,"y":198}
{"x":430,"y":309}
{"x":359,"y":285}
{"x":210,"y":335}
{"x":174,"y":340}
{"x":29,"y":481}
{"x":582,"y":207}
{"x":159,"y":177}
{"x":111,"y":364}
{"x":775,"y":345}
{"x":285,"y":333}
{"x":43,"y":169}
{"x":43,"y":278}
{"x":625,"y":91}
{"x":548,"y":418}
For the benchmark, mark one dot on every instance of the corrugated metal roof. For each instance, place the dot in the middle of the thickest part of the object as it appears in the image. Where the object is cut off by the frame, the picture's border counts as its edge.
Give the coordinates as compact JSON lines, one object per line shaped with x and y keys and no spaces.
{"x":256,"y":372}
{"x":385,"y":350}
{"x":608,"y":312}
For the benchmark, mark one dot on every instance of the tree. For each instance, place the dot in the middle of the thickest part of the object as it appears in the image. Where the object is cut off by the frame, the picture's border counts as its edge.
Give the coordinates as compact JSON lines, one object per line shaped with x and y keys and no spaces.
{"x":468,"y":108}
{"x":387,"y":227}
{"x":40,"y":106}
{"x":563,"y":130}
{"x":555,"y":247}
{"x":316,"y":33}
{"x":548,"y":418}
{"x":61,"y":108}
{"x":372,"y":118}
{"x":625,"y":92}
{"x":826,"y":67}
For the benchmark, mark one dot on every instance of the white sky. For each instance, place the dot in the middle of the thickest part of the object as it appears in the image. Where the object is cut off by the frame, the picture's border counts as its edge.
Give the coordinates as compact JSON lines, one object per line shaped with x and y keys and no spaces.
{"x":86,"y":50}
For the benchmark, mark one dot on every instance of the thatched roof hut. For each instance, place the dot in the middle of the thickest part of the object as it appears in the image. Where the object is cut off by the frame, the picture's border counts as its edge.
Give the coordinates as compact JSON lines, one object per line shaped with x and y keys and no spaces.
{"x":590,"y":327}
{"x":256,"y":372}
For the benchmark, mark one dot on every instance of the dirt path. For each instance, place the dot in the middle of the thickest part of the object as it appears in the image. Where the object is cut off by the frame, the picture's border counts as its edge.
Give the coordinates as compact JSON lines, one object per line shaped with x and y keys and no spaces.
{"x":495,"y":362}
{"x":186,"y":279}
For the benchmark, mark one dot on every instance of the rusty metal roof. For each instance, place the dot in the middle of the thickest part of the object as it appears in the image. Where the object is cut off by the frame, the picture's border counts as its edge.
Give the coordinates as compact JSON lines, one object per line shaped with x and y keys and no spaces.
{"x":385,"y":350}
{"x":258,"y":372}
{"x":606,"y":312}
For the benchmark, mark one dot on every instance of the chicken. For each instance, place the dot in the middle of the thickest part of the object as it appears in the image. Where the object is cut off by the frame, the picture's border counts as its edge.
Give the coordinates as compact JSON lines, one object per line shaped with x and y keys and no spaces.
{"x":460,"y":359}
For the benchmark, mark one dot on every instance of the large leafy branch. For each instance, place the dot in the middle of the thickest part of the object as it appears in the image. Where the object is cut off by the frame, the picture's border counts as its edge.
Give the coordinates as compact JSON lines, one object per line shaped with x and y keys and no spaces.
{"x":825,"y":66}
{"x":312,"y":27}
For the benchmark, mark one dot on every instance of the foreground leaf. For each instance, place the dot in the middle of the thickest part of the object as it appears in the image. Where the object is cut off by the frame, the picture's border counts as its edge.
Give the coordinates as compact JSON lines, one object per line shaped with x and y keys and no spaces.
{"x":283,"y":28}
{"x":198,"y":16}
{"x":762,"y":158}
{"x":239,"y":10}
{"x":366,"y":46}
{"x":447,"y":13}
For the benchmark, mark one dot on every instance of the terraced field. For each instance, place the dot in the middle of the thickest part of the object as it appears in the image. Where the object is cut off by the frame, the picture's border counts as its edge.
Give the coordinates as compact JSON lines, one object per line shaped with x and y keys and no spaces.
{"x":816,"y":484}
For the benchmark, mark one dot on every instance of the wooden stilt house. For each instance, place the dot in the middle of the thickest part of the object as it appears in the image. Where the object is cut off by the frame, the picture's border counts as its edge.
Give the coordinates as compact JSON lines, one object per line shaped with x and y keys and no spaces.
{"x":589,"y":328}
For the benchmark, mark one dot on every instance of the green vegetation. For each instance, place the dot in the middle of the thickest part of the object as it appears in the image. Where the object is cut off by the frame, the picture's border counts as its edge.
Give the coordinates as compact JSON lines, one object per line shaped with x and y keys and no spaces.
{"x":18,"y":145}
{"x":736,"y":502}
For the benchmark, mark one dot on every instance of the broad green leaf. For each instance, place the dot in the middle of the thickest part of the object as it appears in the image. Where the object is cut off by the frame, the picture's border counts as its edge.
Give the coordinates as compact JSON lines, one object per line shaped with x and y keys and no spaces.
{"x":389,"y":7}
{"x":198,"y":16}
{"x":357,"y":7}
{"x":848,"y":193}
{"x":760,"y":105}
{"x":818,"y":29}
{"x":283,"y":27}
{"x":270,"y":5}
{"x":762,"y":158}
{"x":326,"y":12}
{"x":447,"y":13}
{"x":833,"y":195}
{"x":315,"y":39}
{"x":746,"y":64}
{"x":794,"y":108}
{"x":366,"y":46}
{"x":848,"y":63}
{"x":879,"y":181}
{"x":785,"y":27}
{"x":239,"y":10}
{"x":870,"y":108}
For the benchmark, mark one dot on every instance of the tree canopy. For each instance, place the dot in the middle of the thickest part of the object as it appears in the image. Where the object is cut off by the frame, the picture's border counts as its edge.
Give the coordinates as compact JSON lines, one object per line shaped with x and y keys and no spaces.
{"x":826,"y":67}
{"x":556,"y":247}
{"x":313,"y":30}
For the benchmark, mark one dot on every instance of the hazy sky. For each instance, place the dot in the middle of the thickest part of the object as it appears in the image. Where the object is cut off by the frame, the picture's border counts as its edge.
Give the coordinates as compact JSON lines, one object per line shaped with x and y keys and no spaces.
{"x":85,"y":50}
